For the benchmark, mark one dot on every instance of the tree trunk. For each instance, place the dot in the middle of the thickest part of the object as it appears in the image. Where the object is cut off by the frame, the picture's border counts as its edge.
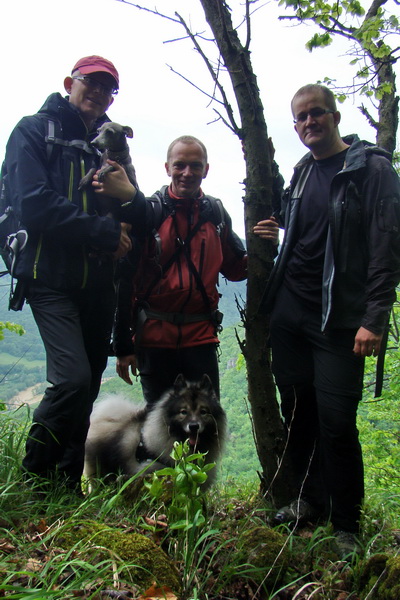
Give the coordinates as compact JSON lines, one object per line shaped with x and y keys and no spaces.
{"x":268,"y":426}
{"x":388,"y":120}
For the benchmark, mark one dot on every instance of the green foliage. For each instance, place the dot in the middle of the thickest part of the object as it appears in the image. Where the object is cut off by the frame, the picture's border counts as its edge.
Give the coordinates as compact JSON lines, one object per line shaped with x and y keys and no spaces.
{"x":58,"y":546}
{"x":179,"y":489}
{"x":185,"y":507}
{"x":379,"y":422}
{"x":319,"y":41}
{"x":10,"y":327}
{"x":347,"y":19}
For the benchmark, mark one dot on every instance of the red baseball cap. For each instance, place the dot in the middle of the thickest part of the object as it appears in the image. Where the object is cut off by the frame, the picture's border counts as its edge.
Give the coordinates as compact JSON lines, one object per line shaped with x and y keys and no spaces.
{"x":94,"y":64}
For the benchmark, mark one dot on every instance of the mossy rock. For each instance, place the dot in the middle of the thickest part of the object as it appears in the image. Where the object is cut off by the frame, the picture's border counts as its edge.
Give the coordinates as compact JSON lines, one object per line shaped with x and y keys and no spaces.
{"x":380,"y":579}
{"x":145,"y":562}
{"x":389,"y":587}
{"x":264,"y":549}
{"x":371,"y":571}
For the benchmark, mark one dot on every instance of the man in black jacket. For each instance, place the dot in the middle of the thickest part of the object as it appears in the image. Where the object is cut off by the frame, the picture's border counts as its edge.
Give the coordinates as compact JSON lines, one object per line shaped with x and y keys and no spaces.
{"x":330,"y":296}
{"x":67,"y":265}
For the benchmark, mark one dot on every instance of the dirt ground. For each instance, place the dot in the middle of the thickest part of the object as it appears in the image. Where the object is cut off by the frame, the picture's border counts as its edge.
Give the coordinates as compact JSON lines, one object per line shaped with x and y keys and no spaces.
{"x":27,"y":396}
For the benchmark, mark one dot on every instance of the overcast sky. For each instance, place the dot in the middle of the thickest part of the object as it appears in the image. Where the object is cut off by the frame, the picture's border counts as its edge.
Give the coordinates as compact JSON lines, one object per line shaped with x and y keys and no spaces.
{"x":42,"y":39}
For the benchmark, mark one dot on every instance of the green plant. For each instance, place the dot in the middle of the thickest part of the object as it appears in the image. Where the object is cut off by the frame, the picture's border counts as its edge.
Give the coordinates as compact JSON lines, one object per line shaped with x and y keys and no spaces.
{"x":185,"y":507}
{"x":179,"y":489}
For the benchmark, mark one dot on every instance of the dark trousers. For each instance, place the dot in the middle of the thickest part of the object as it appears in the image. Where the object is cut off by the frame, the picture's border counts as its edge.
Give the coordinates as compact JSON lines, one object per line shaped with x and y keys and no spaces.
{"x":320,"y":384}
{"x":159,"y":367}
{"x":75,"y":329}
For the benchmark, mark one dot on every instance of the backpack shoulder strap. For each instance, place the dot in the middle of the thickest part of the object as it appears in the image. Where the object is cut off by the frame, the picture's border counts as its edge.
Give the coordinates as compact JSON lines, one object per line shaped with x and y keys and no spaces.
{"x":217,"y":216}
{"x":160,"y":211}
{"x":54,"y":138}
{"x":160,"y":208}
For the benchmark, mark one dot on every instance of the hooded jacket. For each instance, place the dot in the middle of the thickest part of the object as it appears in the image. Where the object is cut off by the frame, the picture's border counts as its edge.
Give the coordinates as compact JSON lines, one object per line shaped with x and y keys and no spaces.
{"x":176,"y":295}
{"x":362,"y":257}
{"x":67,"y":239}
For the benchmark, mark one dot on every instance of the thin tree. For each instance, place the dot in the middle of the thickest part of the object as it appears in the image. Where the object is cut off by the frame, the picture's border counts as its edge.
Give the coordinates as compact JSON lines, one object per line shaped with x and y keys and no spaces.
{"x":368,"y":33}
{"x":250,"y":127}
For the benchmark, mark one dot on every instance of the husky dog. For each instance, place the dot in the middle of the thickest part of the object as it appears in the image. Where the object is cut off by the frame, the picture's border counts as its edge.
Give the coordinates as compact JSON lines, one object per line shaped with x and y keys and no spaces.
{"x":121,"y":434}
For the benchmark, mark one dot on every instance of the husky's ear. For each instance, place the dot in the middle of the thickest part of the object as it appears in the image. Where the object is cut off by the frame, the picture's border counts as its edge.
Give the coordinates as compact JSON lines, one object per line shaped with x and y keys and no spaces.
{"x":206,"y":384}
{"x":180,"y":383}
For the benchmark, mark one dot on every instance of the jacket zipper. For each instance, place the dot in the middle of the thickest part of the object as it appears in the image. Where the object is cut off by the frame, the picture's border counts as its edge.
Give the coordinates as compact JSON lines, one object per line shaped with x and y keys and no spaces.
{"x":37,"y":255}
{"x":85,"y":208}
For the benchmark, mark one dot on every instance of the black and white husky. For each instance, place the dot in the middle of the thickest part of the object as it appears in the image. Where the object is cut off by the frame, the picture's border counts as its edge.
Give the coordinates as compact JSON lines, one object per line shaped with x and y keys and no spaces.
{"x":126,"y":439}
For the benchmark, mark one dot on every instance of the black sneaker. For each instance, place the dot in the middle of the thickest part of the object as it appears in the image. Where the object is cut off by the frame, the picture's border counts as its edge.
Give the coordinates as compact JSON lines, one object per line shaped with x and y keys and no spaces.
{"x":299,"y":511}
{"x":346,"y":545}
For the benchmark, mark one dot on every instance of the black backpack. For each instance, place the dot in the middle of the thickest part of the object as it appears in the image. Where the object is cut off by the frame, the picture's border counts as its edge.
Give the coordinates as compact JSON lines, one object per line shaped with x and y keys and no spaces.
{"x":162,"y":209}
{"x":13,"y":237}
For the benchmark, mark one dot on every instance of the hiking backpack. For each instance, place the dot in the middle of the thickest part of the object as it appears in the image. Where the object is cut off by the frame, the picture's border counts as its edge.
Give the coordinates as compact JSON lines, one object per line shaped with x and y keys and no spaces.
{"x":13,"y":237}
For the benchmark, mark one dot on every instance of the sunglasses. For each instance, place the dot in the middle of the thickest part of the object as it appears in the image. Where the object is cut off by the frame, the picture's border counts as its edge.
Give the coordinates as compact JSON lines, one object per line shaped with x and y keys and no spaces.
{"x":314,"y":113}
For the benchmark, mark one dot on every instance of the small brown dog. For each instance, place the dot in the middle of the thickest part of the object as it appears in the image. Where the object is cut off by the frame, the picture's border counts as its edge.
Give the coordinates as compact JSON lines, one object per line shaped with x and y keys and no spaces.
{"x":111,"y":141}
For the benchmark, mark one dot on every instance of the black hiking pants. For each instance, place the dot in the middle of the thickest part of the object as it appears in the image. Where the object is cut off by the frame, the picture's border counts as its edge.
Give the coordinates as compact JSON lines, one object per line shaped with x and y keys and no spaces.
{"x":75,"y":329}
{"x":320,"y":384}
{"x":159,"y":367}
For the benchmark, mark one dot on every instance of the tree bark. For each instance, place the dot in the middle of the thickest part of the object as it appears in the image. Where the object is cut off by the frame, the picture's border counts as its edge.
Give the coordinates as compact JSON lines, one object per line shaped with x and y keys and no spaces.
{"x":388,"y":120}
{"x":268,"y":426}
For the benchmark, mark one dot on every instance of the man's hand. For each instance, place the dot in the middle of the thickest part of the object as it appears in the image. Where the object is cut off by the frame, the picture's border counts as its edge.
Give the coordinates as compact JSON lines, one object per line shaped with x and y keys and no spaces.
{"x":125,"y":242}
{"x":122,"y":367}
{"x":268,"y":230}
{"x":116,"y":184}
{"x":367,"y":343}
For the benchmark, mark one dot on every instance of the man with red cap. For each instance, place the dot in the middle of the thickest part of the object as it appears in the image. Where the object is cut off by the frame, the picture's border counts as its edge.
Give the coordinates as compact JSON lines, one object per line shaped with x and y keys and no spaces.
{"x":66,"y":268}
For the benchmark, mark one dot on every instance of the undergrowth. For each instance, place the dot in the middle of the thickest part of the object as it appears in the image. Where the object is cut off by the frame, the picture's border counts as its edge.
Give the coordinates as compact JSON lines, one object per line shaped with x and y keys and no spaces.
{"x":217,"y":544}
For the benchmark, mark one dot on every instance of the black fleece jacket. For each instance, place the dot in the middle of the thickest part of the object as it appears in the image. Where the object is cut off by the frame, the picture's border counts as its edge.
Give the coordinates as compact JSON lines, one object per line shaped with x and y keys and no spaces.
{"x":67,"y":239}
{"x":362,"y":258}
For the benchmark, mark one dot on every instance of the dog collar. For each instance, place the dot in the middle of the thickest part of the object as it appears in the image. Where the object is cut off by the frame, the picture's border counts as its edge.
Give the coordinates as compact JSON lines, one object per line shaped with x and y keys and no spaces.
{"x":119,"y":157}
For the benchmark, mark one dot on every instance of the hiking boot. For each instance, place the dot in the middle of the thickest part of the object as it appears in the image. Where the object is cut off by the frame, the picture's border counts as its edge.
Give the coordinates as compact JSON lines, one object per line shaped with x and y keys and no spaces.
{"x":346,"y":545}
{"x":299,"y":511}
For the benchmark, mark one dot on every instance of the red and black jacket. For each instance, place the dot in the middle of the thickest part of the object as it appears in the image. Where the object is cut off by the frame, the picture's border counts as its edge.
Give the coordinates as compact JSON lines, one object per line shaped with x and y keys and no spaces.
{"x":177,"y":275}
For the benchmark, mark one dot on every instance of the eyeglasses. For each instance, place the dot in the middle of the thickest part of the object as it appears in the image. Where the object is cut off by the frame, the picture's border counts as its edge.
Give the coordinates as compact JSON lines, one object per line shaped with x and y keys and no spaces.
{"x":314,"y":113}
{"x":94,"y":84}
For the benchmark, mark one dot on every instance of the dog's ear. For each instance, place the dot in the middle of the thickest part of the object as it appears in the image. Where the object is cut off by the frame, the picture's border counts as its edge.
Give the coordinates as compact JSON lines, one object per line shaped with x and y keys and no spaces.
{"x":180,"y":383}
{"x":206,"y":383}
{"x":128,"y":131}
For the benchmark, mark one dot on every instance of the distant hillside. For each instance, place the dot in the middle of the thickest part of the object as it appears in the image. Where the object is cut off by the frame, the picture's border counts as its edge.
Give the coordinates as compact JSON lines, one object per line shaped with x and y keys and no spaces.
{"x":227,"y":303}
{"x":22,"y":359}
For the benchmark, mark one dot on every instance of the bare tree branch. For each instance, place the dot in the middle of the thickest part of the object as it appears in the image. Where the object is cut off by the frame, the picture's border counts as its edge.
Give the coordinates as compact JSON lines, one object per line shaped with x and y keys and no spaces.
{"x":225,"y":122}
{"x":363,"y":109}
{"x":213,"y":74}
{"x":211,"y":96}
{"x":248,"y":25}
{"x":149,"y":10}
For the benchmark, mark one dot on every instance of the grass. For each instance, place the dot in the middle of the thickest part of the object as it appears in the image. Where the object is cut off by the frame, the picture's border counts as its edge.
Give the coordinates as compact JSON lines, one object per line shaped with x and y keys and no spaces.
{"x":223,"y":551}
{"x":8,"y":359}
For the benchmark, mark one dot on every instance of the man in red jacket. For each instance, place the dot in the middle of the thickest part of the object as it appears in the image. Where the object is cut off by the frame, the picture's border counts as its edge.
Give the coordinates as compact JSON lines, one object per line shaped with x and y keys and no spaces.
{"x":188,"y":241}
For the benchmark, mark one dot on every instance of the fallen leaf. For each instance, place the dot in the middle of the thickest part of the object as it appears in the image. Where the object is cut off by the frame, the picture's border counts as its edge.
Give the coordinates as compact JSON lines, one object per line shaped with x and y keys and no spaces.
{"x":6,"y":547}
{"x":153,"y":593}
{"x":33,"y":565}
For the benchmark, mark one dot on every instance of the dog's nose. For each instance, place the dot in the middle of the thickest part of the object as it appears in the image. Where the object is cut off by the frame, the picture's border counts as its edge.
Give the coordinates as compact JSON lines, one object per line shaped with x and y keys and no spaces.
{"x":194,"y":427}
